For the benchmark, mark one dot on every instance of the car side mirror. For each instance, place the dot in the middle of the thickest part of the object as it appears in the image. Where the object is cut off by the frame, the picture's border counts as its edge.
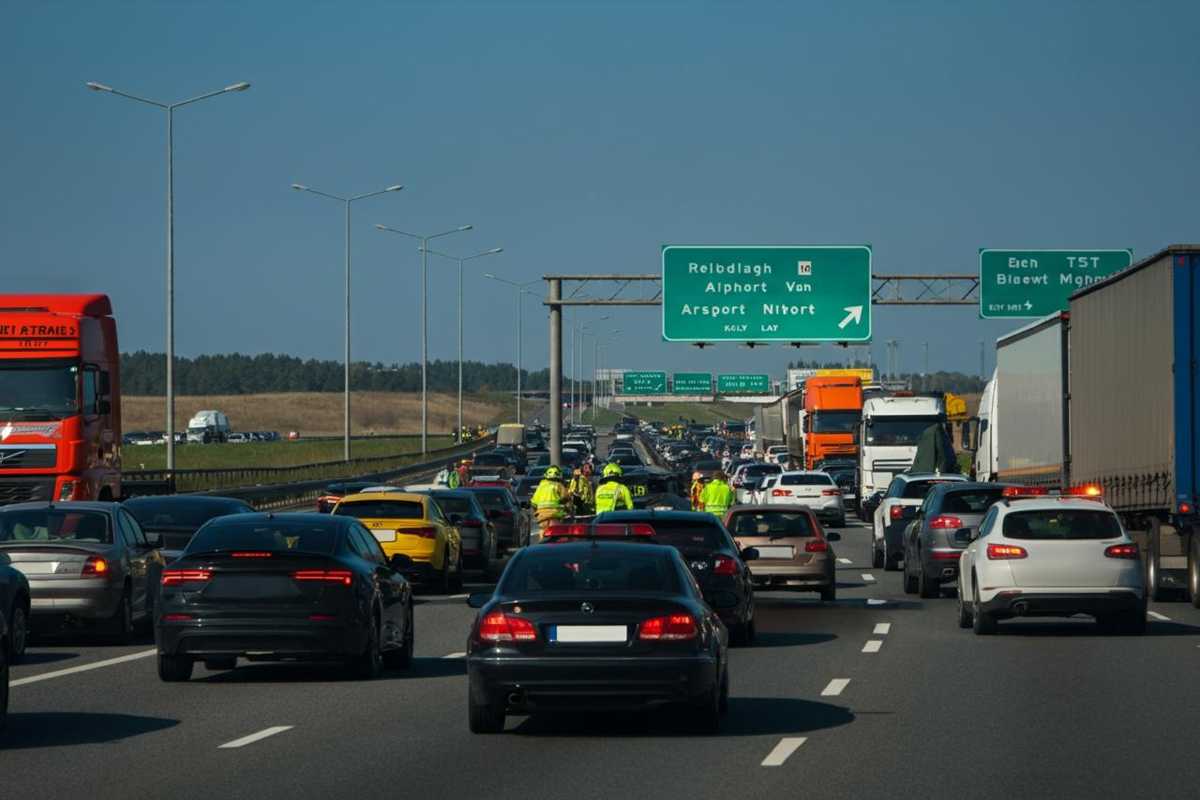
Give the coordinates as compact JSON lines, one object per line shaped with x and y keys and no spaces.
{"x":400,"y":563}
{"x":154,"y":539}
{"x":750,"y":554}
{"x":478,"y":599}
{"x":964,"y":536}
{"x":833,"y":536}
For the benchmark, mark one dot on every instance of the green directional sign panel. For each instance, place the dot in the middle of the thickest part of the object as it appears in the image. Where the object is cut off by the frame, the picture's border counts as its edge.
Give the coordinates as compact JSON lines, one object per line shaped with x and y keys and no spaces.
{"x":1035,"y":283}
{"x":644,"y":383}
{"x":691,"y":383}
{"x":743,"y":384}
{"x":765,"y":293}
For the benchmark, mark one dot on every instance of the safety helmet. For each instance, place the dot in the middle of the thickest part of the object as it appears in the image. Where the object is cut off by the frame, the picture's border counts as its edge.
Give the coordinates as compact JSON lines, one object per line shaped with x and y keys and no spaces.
{"x":553,"y":473}
{"x":613,"y":470}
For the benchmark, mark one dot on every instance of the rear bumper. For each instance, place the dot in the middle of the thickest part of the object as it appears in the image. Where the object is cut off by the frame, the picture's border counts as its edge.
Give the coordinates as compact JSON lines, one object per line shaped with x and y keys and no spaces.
{"x":1016,"y":603}
{"x":943,"y":571}
{"x":82,"y":599}
{"x":266,"y":638}
{"x":527,"y":685}
{"x":784,"y":577}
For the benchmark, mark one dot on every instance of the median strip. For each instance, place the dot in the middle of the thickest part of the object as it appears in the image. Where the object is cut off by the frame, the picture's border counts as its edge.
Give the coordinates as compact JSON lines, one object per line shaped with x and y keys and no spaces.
{"x":108,"y":662}
{"x":255,"y":737}
{"x":787,"y":745}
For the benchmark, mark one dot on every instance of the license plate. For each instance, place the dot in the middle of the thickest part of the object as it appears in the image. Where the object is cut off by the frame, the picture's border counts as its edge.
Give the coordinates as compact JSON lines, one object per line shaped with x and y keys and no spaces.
{"x":385,"y":536}
{"x":38,"y":567}
{"x":775,"y":551}
{"x":588,"y":633}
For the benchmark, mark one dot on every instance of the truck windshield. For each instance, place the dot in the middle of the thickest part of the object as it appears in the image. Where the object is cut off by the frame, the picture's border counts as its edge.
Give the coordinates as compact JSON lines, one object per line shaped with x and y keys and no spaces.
{"x":897,"y":430}
{"x":38,"y":391}
{"x":836,"y":421}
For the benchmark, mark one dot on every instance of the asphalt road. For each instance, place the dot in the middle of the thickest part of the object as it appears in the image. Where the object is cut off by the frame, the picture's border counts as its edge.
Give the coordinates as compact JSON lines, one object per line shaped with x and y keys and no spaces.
{"x":1044,"y":709}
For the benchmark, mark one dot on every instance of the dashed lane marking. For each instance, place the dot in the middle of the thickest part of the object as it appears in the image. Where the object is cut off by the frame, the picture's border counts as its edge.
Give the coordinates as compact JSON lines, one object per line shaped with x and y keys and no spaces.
{"x":868,"y":578}
{"x":787,"y":745}
{"x":455,"y":655}
{"x":458,"y":596}
{"x":875,"y":601}
{"x":872,"y":646}
{"x":1158,"y":616}
{"x":845,"y":561}
{"x":108,"y":662}
{"x":835,"y":687}
{"x":255,"y":737}
{"x":882,"y":628}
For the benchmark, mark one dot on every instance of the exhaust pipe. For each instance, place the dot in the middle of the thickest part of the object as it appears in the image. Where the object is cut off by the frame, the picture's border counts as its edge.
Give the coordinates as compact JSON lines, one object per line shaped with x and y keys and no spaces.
{"x":1019,"y":608}
{"x":516,"y":698}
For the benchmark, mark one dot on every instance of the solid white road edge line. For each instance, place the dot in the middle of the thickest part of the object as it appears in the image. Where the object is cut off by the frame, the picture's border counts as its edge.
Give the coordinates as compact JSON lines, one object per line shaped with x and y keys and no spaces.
{"x":882,"y":628}
{"x":835,"y":687}
{"x":108,"y":662}
{"x":255,"y":737}
{"x":875,"y":601}
{"x":787,"y":745}
{"x":868,"y":578}
{"x":872,"y":646}
{"x":1158,"y":616}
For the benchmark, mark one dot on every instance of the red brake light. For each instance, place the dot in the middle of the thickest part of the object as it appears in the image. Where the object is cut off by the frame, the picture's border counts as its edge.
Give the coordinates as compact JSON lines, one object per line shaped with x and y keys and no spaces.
{"x":176,"y":617}
{"x":781,"y":493}
{"x":1024,"y":491}
{"x":946,"y":522}
{"x":500,"y":627}
{"x":1185,"y":508}
{"x":1121,"y":551}
{"x":831,"y":492}
{"x":672,"y":627}
{"x":95,"y":567}
{"x":342,"y":576}
{"x":173,"y":577}
{"x":816,"y":546}
{"x":895,"y":512}
{"x":944,"y":555}
{"x":1000,"y":552}
{"x":723,"y":565}
{"x":252,"y":554}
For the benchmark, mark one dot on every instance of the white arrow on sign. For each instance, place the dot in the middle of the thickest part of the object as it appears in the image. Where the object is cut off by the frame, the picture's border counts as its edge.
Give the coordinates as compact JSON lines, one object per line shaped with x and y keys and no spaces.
{"x":854,"y":316}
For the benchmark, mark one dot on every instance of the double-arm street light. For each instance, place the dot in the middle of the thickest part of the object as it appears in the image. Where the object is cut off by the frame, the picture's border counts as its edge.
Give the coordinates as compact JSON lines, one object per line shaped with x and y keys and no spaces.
{"x":521,"y":290}
{"x":424,"y":240}
{"x":461,"y":260}
{"x":347,"y":201}
{"x":170,"y":109}
{"x":596,"y":368}
{"x":578,"y":331}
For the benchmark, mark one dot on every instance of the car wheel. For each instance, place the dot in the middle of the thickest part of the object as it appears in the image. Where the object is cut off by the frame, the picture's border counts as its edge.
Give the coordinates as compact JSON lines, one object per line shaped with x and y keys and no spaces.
{"x":368,"y":665}
{"x":174,"y":669}
{"x":876,"y":557}
{"x":401,"y":657}
{"x":18,"y":631}
{"x":965,"y":620}
{"x":910,"y":581}
{"x":983,"y":622}
{"x":484,"y":717}
{"x":1194,"y":569}
{"x":121,"y":623}
{"x":927,"y":587}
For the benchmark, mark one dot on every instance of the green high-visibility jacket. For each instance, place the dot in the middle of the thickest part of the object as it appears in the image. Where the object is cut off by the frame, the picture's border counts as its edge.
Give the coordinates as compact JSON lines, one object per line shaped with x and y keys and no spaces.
{"x":717,"y":497}
{"x":612,"y":494}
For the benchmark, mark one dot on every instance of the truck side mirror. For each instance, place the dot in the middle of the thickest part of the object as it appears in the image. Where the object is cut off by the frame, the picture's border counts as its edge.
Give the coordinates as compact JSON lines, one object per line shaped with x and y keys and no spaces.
{"x":967,"y":438}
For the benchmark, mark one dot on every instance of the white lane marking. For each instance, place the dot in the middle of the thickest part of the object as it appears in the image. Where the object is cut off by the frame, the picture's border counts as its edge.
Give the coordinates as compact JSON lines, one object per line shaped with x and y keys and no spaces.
{"x":835,"y":687}
{"x":455,"y":655}
{"x":872,"y":646}
{"x":868,"y":578}
{"x":845,"y":561}
{"x":883,"y":628}
{"x":787,"y":745}
{"x":108,"y":662}
{"x":875,"y":601}
{"x":1158,"y":616}
{"x":255,"y":737}
{"x":458,"y":596}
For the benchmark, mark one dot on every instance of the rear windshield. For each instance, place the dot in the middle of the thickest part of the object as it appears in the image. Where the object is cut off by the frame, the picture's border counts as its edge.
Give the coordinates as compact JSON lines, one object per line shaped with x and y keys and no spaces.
{"x":916,"y":490}
{"x":273,"y":535}
{"x":177,"y":513}
{"x":548,"y":570}
{"x":53,"y":527}
{"x":771,"y":523}
{"x":976,"y":501}
{"x":455,"y":505}
{"x":626,"y":459}
{"x":381,"y":509}
{"x":758,"y":470}
{"x":1062,"y":524}
{"x":490,"y":460}
{"x":688,"y":535}
{"x":706,"y":465}
{"x":806,"y":480}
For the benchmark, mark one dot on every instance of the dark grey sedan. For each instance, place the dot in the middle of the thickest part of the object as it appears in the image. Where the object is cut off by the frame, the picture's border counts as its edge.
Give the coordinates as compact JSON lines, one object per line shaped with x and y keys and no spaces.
{"x":941,"y":530}
{"x":86,"y":562}
{"x":171,"y":520}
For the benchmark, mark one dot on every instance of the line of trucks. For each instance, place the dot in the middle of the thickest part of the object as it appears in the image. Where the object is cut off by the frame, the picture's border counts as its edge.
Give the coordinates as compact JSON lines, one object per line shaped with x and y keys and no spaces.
{"x":1106,"y":393}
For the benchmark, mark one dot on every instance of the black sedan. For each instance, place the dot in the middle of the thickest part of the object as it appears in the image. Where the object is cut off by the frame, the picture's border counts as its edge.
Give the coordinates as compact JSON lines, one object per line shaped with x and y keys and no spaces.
{"x":596,"y":625}
{"x":710,"y":553}
{"x":504,"y":510}
{"x":284,"y":587}
{"x":170,"y":520}
{"x":14,"y":609}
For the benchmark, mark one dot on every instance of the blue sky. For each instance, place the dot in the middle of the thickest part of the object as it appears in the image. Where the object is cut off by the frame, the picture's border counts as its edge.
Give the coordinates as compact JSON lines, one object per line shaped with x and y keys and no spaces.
{"x":580,"y":137}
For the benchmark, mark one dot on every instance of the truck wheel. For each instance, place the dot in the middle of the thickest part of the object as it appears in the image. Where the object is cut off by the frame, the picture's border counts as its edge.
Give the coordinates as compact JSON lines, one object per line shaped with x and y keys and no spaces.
{"x":1194,"y":569}
{"x":1153,"y":590}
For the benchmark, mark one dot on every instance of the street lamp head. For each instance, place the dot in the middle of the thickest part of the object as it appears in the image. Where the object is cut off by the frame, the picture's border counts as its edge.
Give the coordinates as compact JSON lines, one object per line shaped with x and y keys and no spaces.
{"x":299,"y":187}
{"x":381,"y":227}
{"x":98,"y":87}
{"x":238,"y":87}
{"x":465,"y":227}
{"x":395,"y":188}
{"x":490,"y":275}
{"x":495,"y":250}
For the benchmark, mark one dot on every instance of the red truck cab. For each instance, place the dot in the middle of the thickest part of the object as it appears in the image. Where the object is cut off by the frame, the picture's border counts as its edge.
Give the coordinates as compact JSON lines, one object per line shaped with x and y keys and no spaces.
{"x":60,"y":399}
{"x":833,"y":411}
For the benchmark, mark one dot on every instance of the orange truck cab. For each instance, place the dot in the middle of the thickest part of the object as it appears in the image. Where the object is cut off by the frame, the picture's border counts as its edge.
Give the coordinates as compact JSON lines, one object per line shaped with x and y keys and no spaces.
{"x":833,"y":411}
{"x":60,"y":399}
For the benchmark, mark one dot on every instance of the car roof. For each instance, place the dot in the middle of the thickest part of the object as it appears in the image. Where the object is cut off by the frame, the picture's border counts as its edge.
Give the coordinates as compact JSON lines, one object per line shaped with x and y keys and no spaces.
{"x":932,"y":476}
{"x":66,"y":505}
{"x":649,"y":514}
{"x":773,"y":507}
{"x":384,"y":494}
{"x":1053,"y":503}
{"x":304,"y":517}
{"x":806,"y":472}
{"x":599,"y":543}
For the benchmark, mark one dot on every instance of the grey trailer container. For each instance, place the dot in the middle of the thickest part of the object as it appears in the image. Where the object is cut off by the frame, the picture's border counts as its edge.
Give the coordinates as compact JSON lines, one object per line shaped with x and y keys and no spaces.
{"x":768,"y":424}
{"x":1031,"y":404}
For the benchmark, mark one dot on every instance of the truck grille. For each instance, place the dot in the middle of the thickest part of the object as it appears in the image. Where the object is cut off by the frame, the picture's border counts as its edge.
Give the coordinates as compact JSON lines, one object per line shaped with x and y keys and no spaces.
{"x":16,"y":456}
{"x":24,"y":491}
{"x":892,"y":465}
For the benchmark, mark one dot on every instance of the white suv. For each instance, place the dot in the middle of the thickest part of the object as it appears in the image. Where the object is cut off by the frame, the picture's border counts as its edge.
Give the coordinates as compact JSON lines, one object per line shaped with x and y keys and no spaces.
{"x":1051,"y":557}
{"x":817,"y":490}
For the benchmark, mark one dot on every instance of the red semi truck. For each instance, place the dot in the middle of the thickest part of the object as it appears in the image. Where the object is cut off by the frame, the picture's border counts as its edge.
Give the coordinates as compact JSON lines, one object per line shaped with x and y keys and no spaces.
{"x":60,"y":398}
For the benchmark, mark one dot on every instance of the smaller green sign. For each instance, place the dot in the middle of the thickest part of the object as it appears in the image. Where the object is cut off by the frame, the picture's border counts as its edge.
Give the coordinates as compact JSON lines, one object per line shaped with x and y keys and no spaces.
{"x":743,"y":384}
{"x":644,"y":383}
{"x":691,"y":383}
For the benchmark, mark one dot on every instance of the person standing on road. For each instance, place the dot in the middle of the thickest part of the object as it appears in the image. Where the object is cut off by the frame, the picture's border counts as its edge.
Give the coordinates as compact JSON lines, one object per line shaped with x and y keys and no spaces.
{"x":464,"y":472}
{"x":717,"y":497}
{"x":550,"y":498}
{"x":697,"y":488}
{"x":611,"y":494}
{"x":581,"y":491}
{"x":452,"y":479}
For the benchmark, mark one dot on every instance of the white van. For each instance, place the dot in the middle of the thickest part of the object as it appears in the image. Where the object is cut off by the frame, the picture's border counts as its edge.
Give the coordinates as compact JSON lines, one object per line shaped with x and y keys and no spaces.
{"x":208,"y":426}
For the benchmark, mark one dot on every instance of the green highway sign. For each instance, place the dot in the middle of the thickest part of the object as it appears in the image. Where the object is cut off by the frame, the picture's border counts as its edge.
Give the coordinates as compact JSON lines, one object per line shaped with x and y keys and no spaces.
{"x":1035,"y":283}
{"x":644,"y":383}
{"x":766,"y":293}
{"x":743,"y":384}
{"x":692,"y":383}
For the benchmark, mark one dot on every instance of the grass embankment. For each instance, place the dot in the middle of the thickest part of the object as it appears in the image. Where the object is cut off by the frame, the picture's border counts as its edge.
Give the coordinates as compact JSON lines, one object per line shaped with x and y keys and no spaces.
{"x":271,"y":454}
{"x":703,"y":413}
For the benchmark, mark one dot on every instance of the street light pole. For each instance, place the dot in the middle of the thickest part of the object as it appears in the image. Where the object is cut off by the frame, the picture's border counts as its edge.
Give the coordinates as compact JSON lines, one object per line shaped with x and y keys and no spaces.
{"x":170,"y":281}
{"x":521,"y":290}
{"x":346,"y":201}
{"x":424,"y":240}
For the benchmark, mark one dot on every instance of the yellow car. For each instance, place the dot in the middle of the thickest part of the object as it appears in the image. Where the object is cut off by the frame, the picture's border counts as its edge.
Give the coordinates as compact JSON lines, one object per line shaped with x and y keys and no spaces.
{"x":411,"y":525}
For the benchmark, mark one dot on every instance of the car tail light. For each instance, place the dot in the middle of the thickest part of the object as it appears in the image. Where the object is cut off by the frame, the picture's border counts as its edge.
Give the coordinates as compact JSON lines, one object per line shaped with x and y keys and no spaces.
{"x":252,"y":554}
{"x":673,"y":627}
{"x":816,"y":546}
{"x":831,"y":492}
{"x":944,"y":522}
{"x":1121,"y":551}
{"x":781,"y":493}
{"x":174,"y":577}
{"x":342,"y":576}
{"x":896,"y":512}
{"x":424,"y":533}
{"x":500,"y":627}
{"x":944,"y":555}
{"x":177,"y":617}
{"x":724,"y":565}
{"x":322,"y":617}
{"x":95,"y":567}
{"x":1000,"y":552}
{"x":1023,"y":491}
